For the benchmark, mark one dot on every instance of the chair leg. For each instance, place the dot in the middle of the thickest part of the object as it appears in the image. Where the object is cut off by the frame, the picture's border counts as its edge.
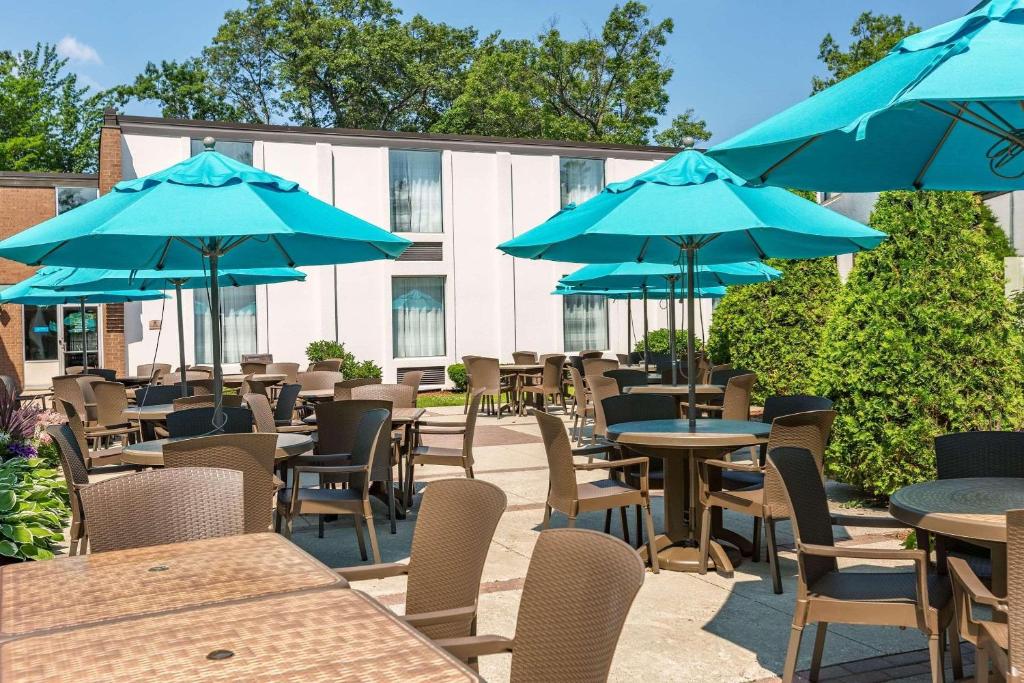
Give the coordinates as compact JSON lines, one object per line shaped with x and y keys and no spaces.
{"x":773,"y":556}
{"x":571,"y":523}
{"x":981,"y":665}
{"x":359,"y":536}
{"x":705,"y":539}
{"x":953,"y":635}
{"x":795,"y":634}
{"x":320,"y":526}
{"x":756,"y":552}
{"x":819,"y":648}
{"x":547,"y":517}
{"x":625,"y":524}
{"x":639,"y":528}
{"x":392,"y":513}
{"x":469,"y":472}
{"x":608,"y":521}
{"x":368,"y":516}
{"x":935,"y":657}
{"x":288,"y":527}
{"x":652,"y":552}
{"x":409,"y":490}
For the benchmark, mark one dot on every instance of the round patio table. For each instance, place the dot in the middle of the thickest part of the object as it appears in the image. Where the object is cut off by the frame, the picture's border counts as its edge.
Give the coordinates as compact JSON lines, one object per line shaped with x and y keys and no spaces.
{"x":151,"y":453}
{"x":681,"y":449}
{"x":970,"y":509}
{"x":155,"y":412}
{"x":317,"y":394}
{"x":236,"y":380}
{"x":135,"y":380}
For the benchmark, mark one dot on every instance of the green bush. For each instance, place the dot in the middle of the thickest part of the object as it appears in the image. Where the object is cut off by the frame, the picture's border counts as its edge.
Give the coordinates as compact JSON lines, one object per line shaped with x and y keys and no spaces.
{"x":657,"y":342}
{"x":325,"y":349}
{"x":457,"y":374}
{"x":32,"y":509}
{"x":775,"y":328}
{"x":922,"y":341}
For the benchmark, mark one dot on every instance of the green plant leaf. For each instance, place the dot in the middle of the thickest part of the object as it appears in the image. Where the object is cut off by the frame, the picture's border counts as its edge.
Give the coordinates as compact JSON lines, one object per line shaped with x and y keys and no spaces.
{"x":8,"y":500}
{"x":8,"y":549}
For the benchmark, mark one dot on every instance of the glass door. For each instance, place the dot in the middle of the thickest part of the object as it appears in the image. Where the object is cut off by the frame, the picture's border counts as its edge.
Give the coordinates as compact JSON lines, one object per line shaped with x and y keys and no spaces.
{"x":71,"y":336}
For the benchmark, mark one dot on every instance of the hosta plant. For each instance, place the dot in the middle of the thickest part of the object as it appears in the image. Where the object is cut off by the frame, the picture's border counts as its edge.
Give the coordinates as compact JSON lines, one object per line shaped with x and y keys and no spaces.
{"x":33,"y":510}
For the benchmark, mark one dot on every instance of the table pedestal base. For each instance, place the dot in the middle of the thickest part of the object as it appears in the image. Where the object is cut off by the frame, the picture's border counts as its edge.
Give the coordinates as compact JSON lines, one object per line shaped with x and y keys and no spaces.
{"x":684,"y":556}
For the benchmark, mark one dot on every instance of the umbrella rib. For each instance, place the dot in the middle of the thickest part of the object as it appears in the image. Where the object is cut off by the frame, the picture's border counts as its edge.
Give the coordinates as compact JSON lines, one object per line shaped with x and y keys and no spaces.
{"x":284,"y":252}
{"x":760,"y":251}
{"x":643,"y":250}
{"x":780,"y":162}
{"x":39,"y":262}
{"x":995,"y":132}
{"x":919,"y":180}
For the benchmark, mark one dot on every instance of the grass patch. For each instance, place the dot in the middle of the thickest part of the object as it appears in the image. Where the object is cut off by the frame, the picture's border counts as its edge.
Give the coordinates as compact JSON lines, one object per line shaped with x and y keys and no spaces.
{"x":437,"y":399}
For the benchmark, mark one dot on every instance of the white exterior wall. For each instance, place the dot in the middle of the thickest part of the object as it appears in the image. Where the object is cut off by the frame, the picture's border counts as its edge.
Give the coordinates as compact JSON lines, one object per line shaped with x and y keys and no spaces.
{"x":494,"y":304}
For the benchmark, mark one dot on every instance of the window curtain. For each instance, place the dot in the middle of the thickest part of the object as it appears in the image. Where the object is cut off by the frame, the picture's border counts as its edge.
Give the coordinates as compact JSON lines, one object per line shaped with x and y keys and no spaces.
{"x":238,"y":324}
{"x":417,"y":306}
{"x":585,"y":322}
{"x":415,"y":191}
{"x":581,"y":179}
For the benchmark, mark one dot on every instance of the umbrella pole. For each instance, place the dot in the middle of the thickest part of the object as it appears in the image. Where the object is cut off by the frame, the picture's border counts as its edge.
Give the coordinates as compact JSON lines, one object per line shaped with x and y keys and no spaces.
{"x":629,"y":325}
{"x":672,"y":329}
{"x":85,"y":332}
{"x":691,"y":360}
{"x":218,"y":374}
{"x":647,"y":360}
{"x":181,"y":340}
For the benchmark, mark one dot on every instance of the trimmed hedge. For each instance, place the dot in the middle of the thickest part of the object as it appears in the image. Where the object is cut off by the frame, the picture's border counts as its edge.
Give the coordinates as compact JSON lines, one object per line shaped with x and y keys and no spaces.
{"x":922,"y":341}
{"x":657,"y":342}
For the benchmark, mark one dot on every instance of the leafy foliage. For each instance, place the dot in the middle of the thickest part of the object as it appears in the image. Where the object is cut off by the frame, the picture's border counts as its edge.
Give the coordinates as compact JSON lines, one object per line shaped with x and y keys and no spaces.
{"x":351,"y":368}
{"x":457,"y":374}
{"x":33,"y":509}
{"x":922,"y":341}
{"x":873,"y":36}
{"x":683,"y":126}
{"x":185,"y":90}
{"x":775,"y":328}
{"x":657,"y":342}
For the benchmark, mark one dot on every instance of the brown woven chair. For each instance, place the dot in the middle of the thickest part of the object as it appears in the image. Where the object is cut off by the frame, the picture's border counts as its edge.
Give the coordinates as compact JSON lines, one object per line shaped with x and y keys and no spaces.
{"x":94,"y":456}
{"x":587,"y":355}
{"x":600,"y":388}
{"x":412,"y":378}
{"x":598,"y":366}
{"x":253,"y":386}
{"x":400,"y":395}
{"x":289,"y":370}
{"x":550,"y":383}
{"x":354,"y":500}
{"x":317,"y":380}
{"x":66,"y":388}
{"x":111,"y":408}
{"x":453,"y":533}
{"x":163,"y":506}
{"x":263,"y":417}
{"x":485,"y":377}
{"x":998,"y":644}
{"x":809,"y":431}
{"x":524,"y":357}
{"x":328,"y":365}
{"x":568,"y":496}
{"x":253,"y":368}
{"x":250,"y":454}
{"x":206,"y":401}
{"x":826,"y":595}
{"x":462,"y":457}
{"x":623,"y":358}
{"x":582,"y":404}
{"x":76,"y":474}
{"x":155,"y":371}
{"x":343,"y":389}
{"x":735,"y":403}
{"x":576,"y":597}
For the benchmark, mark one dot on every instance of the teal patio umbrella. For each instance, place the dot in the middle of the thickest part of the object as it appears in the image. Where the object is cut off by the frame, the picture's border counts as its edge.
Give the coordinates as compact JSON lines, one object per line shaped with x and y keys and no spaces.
{"x":941,"y":111}
{"x":99,"y":280}
{"x":205,"y":213}
{"x":29,"y":292}
{"x":686,"y":208}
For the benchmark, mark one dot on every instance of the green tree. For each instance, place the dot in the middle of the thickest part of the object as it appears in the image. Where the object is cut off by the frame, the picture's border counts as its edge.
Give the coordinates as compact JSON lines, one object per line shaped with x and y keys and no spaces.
{"x":184,"y":90}
{"x":923,"y":341}
{"x":873,"y":36}
{"x":775,"y":328}
{"x":48,"y":122}
{"x":683,"y":126}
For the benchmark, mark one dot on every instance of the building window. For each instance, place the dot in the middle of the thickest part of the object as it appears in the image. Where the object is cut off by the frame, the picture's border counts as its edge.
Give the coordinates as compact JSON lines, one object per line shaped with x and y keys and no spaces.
{"x":239,"y":150}
{"x":417,"y":316}
{"x":41,"y":333}
{"x":71,"y":197}
{"x":415,"y":186}
{"x":585,"y":322}
{"x":238,"y":324}
{"x":580,"y":179}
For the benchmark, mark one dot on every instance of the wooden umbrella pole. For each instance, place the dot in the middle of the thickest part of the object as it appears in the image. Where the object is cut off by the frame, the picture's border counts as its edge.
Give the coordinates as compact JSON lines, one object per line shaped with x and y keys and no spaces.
{"x":691,"y":360}
{"x":181,"y":340}
{"x":218,"y":372}
{"x":85,"y":338}
{"x":647,"y":360}
{"x":629,"y":325}
{"x":672,"y":329}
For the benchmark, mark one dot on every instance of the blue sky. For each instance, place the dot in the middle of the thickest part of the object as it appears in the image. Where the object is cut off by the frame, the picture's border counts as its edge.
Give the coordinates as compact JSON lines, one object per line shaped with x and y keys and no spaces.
{"x":736,"y":61}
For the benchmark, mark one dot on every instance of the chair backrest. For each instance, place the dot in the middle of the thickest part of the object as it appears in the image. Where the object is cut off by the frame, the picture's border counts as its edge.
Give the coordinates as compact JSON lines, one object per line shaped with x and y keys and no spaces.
{"x":286,"y":398}
{"x":777,"y":406}
{"x":636,"y":407}
{"x":154,"y":370}
{"x":524,"y":357}
{"x":579,"y":389}
{"x":111,"y":403}
{"x":250,"y":454}
{"x":810,"y":431}
{"x":289,"y":370}
{"x":337,"y":426}
{"x":792,"y":480}
{"x":412,"y":378}
{"x":552,"y":374}
{"x":206,"y":401}
{"x":201,"y":369}
{"x":106,"y":373}
{"x":979,"y":454}
{"x":400,"y":395}
{"x":542,"y":358}
{"x":343,"y":389}
{"x":1015,"y":586}
{"x":199,"y":387}
{"x":372,"y":441}
{"x":467,"y":437}
{"x":601,"y":388}
{"x":722,"y":375}
{"x":199,"y":422}
{"x":623,"y":358}
{"x":627,"y":378}
{"x":262,"y":413}
{"x":578,"y":591}
{"x":86,"y":382}
{"x":74,"y":369}
{"x":72,"y":464}
{"x":328,"y":365}
{"x":318,"y":379}
{"x":76,"y":424}
{"x":157,"y":507}
{"x":66,"y":388}
{"x":561,"y":473}
{"x":454,"y":530}
{"x":586,"y":355}
{"x":665,"y":368}
{"x":253,"y":368}
{"x":736,"y":401}
{"x":484,"y":374}
{"x":191,"y":375}
{"x":598,"y":366}
{"x":154,"y":395}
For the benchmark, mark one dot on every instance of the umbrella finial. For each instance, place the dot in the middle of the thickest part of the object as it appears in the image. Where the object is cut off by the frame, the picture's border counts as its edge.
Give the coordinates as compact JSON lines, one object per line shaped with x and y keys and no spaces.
{"x":688,"y":142}
{"x":209,"y":142}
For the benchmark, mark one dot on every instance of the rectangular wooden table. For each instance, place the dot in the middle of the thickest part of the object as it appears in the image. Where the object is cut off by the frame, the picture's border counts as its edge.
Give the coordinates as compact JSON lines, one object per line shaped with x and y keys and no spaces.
{"x":86,"y":589}
{"x":318,"y":635}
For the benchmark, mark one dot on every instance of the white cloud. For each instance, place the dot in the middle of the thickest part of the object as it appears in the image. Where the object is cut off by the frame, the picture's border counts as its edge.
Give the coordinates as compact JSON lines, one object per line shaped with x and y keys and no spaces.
{"x":77,"y":51}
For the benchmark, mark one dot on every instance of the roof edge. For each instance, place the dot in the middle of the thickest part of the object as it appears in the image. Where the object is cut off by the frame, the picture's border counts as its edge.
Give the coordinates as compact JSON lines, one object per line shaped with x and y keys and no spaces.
{"x":47,"y":179}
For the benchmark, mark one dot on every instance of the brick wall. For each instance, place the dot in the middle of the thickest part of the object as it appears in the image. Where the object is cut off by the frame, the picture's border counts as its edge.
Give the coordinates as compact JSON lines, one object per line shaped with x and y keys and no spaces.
{"x":115,"y":353}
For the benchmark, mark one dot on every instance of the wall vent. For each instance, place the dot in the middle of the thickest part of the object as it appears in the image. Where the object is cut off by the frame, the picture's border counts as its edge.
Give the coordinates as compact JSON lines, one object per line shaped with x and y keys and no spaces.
{"x":423,"y":251}
{"x":433,"y":376}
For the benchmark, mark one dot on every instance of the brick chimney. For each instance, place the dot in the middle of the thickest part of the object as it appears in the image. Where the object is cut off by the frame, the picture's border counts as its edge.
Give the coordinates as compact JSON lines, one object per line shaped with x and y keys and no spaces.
{"x":115,"y":353}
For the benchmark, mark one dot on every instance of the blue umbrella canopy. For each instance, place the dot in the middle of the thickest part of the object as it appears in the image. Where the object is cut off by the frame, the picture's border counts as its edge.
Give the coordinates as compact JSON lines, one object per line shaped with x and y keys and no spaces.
{"x":98,"y":279}
{"x":637,"y":293}
{"x":941,"y":111}
{"x":31,"y":292}
{"x":656,"y":275}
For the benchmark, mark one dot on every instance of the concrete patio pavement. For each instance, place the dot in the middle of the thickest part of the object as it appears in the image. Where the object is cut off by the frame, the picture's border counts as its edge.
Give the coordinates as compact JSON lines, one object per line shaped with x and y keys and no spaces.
{"x":682,"y":627}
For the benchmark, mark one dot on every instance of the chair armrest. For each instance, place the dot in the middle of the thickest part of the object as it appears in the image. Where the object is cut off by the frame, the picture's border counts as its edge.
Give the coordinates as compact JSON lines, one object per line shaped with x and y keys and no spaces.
{"x":862,"y":553}
{"x":967,"y":581}
{"x":456,"y":615}
{"x":373,"y":571}
{"x":594,"y":449}
{"x":330,"y":469}
{"x":886,"y":522}
{"x":612,"y":464}
{"x":736,"y":466}
{"x":452,"y":429}
{"x":460,"y":422}
{"x":475,"y":646}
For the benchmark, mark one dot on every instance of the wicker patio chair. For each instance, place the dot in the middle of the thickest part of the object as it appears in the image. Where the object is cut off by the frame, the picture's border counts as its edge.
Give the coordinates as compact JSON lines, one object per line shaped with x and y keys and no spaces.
{"x":735,"y":400}
{"x":453,"y":533}
{"x":343,"y":389}
{"x":600,"y":388}
{"x":412,"y":378}
{"x":623,"y":358}
{"x":199,"y":422}
{"x":206,"y":401}
{"x":284,"y":408}
{"x":826,"y":595}
{"x":400,"y":395}
{"x":111,"y":415}
{"x":106,"y":374}
{"x":94,"y":455}
{"x":577,"y":594}
{"x":462,"y":457}
{"x":163,"y":506}
{"x":598,"y":365}
{"x":253,"y":386}
{"x":76,"y":474}
{"x":550,"y":383}
{"x":582,"y":405}
{"x":627,"y":378}
{"x":318,"y":379}
{"x":154,"y":395}
{"x":289,"y":370}
{"x":328,"y":365}
{"x":263,"y":417}
{"x":777,"y":406}
{"x":155,"y":371}
{"x":74,"y":369}
{"x":253,"y":368}
{"x":66,"y":388}
{"x":998,"y":644}
{"x":250,"y":454}
{"x":586,"y":355}
{"x":808,"y":431}
{"x":354,"y":500}
{"x":485,"y":377}
{"x":524,"y":357}
{"x":568,"y":496}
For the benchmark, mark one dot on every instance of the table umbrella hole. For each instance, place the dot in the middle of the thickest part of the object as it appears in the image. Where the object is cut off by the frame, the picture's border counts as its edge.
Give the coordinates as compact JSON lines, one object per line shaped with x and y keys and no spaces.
{"x":159,"y":568}
{"x":220,"y":654}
